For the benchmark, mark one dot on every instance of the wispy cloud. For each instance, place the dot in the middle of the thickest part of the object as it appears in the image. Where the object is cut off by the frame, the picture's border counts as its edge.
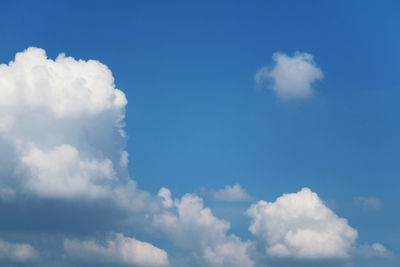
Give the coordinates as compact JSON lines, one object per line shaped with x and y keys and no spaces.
{"x":368,"y":203}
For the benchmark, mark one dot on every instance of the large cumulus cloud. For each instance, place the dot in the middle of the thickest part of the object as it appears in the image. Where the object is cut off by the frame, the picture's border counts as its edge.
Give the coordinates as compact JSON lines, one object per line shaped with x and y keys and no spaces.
{"x":55,"y":118}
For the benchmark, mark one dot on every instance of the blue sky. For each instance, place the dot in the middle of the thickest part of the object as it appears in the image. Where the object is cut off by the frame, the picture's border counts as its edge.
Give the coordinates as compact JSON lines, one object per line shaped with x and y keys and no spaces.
{"x":196,"y":122}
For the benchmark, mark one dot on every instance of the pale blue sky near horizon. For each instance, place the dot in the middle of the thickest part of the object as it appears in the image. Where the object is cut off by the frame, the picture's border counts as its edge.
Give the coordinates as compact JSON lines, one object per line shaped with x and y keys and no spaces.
{"x":195,"y":119}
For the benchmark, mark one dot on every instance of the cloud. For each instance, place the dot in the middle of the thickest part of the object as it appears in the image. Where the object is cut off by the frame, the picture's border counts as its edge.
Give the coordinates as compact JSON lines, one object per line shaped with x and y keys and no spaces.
{"x":372,"y":251}
{"x":300,"y":226}
{"x":116,"y":250}
{"x":368,"y":203}
{"x":62,"y":148}
{"x":194,"y":228}
{"x":64,"y":185}
{"x":55,"y":116}
{"x":230,"y":194}
{"x":61,"y":172}
{"x":62,"y":88}
{"x":290,"y":77}
{"x":17,"y":252}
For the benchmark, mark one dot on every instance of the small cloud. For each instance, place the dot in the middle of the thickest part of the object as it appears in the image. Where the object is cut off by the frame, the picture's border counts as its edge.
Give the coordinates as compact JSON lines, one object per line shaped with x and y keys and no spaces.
{"x":368,"y":203}
{"x":376,"y":250}
{"x":290,"y":77}
{"x":231,"y":194}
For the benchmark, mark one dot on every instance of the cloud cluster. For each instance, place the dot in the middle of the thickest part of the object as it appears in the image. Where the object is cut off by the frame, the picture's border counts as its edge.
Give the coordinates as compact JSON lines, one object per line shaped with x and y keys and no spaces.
{"x":290,"y":77}
{"x":187,"y":219}
{"x":300,"y":225}
{"x":63,"y":169}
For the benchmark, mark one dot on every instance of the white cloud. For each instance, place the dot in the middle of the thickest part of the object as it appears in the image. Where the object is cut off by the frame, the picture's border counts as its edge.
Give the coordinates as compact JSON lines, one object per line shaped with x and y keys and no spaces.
{"x":62,"y":173}
{"x":368,"y":203}
{"x":299,"y":225}
{"x":57,"y":120}
{"x":290,"y":77}
{"x":230,"y":194}
{"x":63,"y":87}
{"x":17,"y":252}
{"x":62,"y":139}
{"x":194,"y":228}
{"x":117,"y":250}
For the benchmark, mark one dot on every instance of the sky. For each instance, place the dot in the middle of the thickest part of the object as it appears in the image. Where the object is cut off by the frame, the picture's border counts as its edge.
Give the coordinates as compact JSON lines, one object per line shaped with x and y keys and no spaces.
{"x":199,"y":133}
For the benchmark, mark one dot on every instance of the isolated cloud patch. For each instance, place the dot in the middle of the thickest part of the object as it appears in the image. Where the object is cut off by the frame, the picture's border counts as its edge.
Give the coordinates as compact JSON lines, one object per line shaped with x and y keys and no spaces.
{"x":116,"y":250}
{"x":290,"y":77}
{"x":300,"y":226}
{"x":230,"y":193}
{"x":368,"y":203}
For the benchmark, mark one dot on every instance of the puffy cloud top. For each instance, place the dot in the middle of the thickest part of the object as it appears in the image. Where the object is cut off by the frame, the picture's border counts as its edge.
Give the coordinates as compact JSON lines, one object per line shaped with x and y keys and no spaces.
{"x":299,"y":225}
{"x":290,"y":77}
{"x":64,"y":87}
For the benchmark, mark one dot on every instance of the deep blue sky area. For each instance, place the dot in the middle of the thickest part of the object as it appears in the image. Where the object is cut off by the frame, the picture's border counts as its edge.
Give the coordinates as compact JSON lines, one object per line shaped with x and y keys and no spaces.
{"x":194,"y":117}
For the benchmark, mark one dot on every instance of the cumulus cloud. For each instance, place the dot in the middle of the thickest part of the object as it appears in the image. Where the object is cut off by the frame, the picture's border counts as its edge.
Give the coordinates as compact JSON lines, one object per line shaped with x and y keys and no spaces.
{"x":62,"y":143}
{"x":368,"y":203}
{"x":193,"y":227}
{"x":230,"y":194}
{"x":300,"y":226}
{"x":17,"y":252}
{"x":290,"y":77}
{"x":116,"y":250}
{"x":61,"y":172}
{"x":64,"y":87}
{"x":55,"y":116}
